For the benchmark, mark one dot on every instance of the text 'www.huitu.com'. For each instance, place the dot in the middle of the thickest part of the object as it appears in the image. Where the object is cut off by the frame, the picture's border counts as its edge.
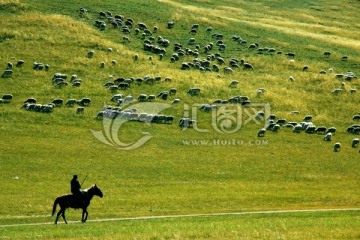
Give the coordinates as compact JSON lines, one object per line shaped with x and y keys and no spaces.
{"x":224,"y":142}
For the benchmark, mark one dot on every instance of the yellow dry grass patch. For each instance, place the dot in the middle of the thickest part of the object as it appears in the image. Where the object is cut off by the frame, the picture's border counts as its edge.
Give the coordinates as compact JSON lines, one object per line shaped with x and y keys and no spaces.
{"x":325,"y":33}
{"x":9,"y":1}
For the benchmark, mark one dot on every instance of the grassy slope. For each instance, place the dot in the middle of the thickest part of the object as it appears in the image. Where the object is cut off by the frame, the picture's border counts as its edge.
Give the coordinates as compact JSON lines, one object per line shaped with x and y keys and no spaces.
{"x":164,"y":176}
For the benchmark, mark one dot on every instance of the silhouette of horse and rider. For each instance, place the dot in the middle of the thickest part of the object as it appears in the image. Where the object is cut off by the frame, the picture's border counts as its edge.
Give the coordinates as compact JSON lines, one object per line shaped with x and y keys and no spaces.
{"x":78,"y":199}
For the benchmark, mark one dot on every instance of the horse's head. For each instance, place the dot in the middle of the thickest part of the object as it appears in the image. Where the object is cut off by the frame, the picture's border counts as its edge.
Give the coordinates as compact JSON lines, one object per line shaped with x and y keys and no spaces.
{"x":97,"y":191}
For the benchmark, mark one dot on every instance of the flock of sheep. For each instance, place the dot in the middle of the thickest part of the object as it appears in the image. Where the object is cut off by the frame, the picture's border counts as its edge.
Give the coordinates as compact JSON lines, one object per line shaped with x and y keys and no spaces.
{"x":214,"y":62}
{"x":207,"y":58}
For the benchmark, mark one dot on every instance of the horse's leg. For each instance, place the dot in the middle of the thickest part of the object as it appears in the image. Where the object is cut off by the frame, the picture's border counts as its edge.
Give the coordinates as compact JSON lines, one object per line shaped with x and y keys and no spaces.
{"x":57,"y":216}
{"x":63,"y":215}
{"x":84,"y":215}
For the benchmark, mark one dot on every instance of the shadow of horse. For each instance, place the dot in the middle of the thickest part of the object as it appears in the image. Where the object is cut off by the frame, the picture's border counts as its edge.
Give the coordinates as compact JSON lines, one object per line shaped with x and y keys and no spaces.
{"x":71,"y":201}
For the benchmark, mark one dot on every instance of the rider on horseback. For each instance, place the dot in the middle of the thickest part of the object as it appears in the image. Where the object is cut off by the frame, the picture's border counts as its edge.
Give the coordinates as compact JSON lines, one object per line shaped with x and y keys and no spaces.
{"x":75,"y":189}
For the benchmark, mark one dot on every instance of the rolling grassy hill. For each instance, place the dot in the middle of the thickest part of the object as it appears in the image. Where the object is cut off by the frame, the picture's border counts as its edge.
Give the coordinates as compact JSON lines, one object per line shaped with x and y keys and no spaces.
{"x":219,"y":165}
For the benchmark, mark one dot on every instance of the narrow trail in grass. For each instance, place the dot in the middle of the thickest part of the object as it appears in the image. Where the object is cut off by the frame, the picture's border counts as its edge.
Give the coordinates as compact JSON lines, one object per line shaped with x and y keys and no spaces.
{"x":185,"y":216}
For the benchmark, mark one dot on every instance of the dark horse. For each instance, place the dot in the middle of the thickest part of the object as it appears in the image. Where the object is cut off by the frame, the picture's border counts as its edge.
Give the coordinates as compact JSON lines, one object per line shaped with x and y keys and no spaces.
{"x":71,"y":201}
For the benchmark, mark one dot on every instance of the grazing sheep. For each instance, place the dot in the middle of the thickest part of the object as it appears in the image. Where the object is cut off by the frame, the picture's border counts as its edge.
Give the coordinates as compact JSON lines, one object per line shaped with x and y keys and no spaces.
{"x":281,"y":121}
{"x":7,"y":73}
{"x":331,"y":130}
{"x":80,"y":110}
{"x":171,"y":25}
{"x":193,"y":31}
{"x":163,"y":95}
{"x":109,"y":50}
{"x":38,"y":66}
{"x":175,"y":101}
{"x":327,"y":137}
{"x":7,"y":98}
{"x":297,"y":128}
{"x":270,"y":125}
{"x":339,"y":76}
{"x":169,"y":119}
{"x":307,"y":118}
{"x":128,"y":99}
{"x":291,"y":79}
{"x":57,"y":102}
{"x":9,"y":65}
{"x":126,"y":39}
{"x":20,"y":63}
{"x":260,"y":91}
{"x":215,"y":68}
{"x":356,"y":117}
{"x":47,"y":108}
{"x":275,"y":128}
{"x":271,"y":117}
{"x":115,"y":98}
{"x":248,"y":66}
{"x":90,"y":54}
{"x":354,"y":129}
{"x":352,"y":91}
{"x":234,"y":83}
{"x":172,"y":91}
{"x":185,"y":66}
{"x":133,"y":116}
{"x":70,"y":102}
{"x":355,"y":142}
{"x":151,"y":98}
{"x":337,"y":147}
{"x":305,"y":68}
{"x":327,"y":53}
{"x":207,"y":108}
{"x":344,"y":58}
{"x":142,"y":98}
{"x":260,"y":115}
{"x":84,"y":102}
{"x":253,"y":46}
{"x":30,"y":100}
{"x":290,"y":54}
{"x":194,"y":91}
{"x":228,"y":70}
{"x":100,"y":115}
{"x":186,"y":122}
{"x":124,"y":85}
{"x":322,"y":72}
{"x":337,"y":91}
{"x":320,"y":130}
{"x":261,"y":132}
{"x":310,"y":129}
{"x":142,"y":117}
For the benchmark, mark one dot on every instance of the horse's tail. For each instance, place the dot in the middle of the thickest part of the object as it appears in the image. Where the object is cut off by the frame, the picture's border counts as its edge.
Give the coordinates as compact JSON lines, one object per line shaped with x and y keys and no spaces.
{"x":54,"y":206}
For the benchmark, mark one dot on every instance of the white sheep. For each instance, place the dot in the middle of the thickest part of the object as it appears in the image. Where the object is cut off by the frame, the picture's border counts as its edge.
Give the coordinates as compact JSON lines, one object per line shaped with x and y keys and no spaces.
{"x":261,"y":132}
{"x":337,"y":147}
{"x":328,"y":136}
{"x":355,"y":142}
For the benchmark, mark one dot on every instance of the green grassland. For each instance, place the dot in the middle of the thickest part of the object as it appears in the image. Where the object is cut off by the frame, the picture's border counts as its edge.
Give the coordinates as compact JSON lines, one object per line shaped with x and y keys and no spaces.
{"x":178,"y":171}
